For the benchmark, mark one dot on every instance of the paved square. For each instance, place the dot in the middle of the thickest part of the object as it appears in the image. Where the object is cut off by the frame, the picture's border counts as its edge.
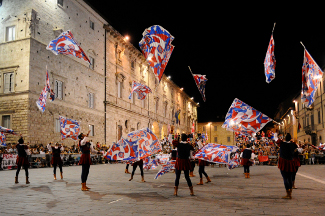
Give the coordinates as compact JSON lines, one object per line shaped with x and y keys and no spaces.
{"x":111,"y":193}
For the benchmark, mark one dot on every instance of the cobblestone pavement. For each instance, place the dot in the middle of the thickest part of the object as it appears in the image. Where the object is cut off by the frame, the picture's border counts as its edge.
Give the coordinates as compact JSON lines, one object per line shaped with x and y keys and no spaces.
{"x":111,"y":193}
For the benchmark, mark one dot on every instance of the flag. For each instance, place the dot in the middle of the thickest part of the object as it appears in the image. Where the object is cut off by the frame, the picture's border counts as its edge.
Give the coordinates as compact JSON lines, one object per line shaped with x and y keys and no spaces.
{"x":169,"y":166}
{"x":135,"y":146}
{"x":157,"y":48}
{"x":122,"y":150}
{"x":48,"y":87}
{"x":146,"y":141}
{"x":270,"y":62}
{"x":311,"y":76}
{"x":193,"y":128}
{"x":149,"y":163}
{"x":69,"y":128}
{"x":244,"y":119}
{"x":65,"y":44}
{"x":216,"y":153}
{"x":200,"y":81}
{"x":234,"y":162}
{"x":140,"y":89}
{"x":6,"y":130}
{"x":41,"y":102}
{"x":3,"y":139}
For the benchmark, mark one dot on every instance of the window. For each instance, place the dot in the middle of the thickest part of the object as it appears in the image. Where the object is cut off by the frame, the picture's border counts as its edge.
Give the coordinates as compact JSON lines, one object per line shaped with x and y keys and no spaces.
{"x":10,"y":33}
{"x":60,"y":2}
{"x":119,"y":132}
{"x":92,"y":62}
{"x":228,"y":139}
{"x":57,"y":126}
{"x":133,"y":98}
{"x":6,"y":121}
{"x":92,"y":24}
{"x":157,"y":106}
{"x":307,"y":120}
{"x":91,"y":100}
{"x":132,"y":65}
{"x":8,"y":81}
{"x":91,"y":129}
{"x":216,"y":139}
{"x":165,"y":110}
{"x":318,"y":115}
{"x":215,"y":128}
{"x":204,"y":128}
{"x":58,"y":89}
{"x":119,"y":89}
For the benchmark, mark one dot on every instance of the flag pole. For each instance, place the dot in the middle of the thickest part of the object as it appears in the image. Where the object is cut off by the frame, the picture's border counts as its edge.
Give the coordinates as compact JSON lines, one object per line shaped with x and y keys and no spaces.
{"x":273,"y":28}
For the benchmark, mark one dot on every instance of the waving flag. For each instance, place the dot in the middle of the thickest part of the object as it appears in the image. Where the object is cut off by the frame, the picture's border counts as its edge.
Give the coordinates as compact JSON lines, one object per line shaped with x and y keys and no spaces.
{"x":169,"y":166}
{"x":48,"y":87}
{"x":234,"y":162}
{"x":65,"y":44}
{"x":41,"y":102}
{"x":140,"y":89}
{"x":69,"y":128}
{"x":146,"y":141}
{"x":244,"y":119}
{"x":157,"y":48}
{"x":123,"y":150}
{"x":6,"y":130}
{"x":149,"y":163}
{"x":3,"y":139}
{"x":216,"y":153}
{"x":200,"y":81}
{"x":311,"y":76}
{"x":135,"y":146}
{"x":269,"y":61}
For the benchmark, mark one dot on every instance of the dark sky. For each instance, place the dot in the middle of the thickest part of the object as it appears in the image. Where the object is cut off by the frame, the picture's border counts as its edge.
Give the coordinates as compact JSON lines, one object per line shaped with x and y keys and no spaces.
{"x":228,"y":45}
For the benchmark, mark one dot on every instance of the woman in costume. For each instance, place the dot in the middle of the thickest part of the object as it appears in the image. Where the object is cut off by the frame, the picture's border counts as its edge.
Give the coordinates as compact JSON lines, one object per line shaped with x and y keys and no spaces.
{"x":22,"y":159}
{"x":85,"y":161}
{"x":56,"y":158}
{"x":246,"y":155}
{"x":287,"y":164}
{"x":183,"y":163}
{"x":135,"y":165}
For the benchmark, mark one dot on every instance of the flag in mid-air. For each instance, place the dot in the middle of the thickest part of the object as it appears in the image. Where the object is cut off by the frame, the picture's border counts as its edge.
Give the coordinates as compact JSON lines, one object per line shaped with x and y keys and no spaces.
{"x":215,"y":153}
{"x":167,"y":167}
{"x":6,"y":130}
{"x":3,"y":139}
{"x":269,"y":62}
{"x":244,"y":119}
{"x":157,"y":48}
{"x":122,"y":150}
{"x":140,"y":89}
{"x":69,"y":128}
{"x":65,"y":44}
{"x":311,"y":76}
{"x":200,"y":81}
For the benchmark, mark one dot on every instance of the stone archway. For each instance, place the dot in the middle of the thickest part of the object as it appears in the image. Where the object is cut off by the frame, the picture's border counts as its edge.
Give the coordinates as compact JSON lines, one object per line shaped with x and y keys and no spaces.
{"x":155,"y":129}
{"x":163,"y":131}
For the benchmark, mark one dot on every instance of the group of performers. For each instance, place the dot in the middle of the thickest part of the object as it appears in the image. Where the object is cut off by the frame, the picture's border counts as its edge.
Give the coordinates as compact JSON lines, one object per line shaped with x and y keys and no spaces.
{"x":182,"y":153}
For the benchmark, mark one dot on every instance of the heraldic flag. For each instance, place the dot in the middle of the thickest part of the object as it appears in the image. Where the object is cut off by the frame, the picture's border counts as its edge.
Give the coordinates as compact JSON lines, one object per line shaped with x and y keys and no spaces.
{"x":157,"y":48}
{"x":311,"y":76}
{"x":270,"y":62}
{"x":65,"y":44}
{"x":69,"y":128}
{"x":140,"y":89}
{"x":244,"y":119}
{"x":200,"y":81}
{"x":135,"y":146}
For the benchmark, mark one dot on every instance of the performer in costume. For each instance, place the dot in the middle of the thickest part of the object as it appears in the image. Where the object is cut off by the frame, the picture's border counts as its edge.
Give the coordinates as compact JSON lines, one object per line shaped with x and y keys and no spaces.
{"x":246,"y":156}
{"x":286,"y":163}
{"x":192,"y":159}
{"x":183,"y":163}
{"x":56,"y":158}
{"x":135,"y":165}
{"x":85,"y":160}
{"x":202,"y":165}
{"x":22,"y":159}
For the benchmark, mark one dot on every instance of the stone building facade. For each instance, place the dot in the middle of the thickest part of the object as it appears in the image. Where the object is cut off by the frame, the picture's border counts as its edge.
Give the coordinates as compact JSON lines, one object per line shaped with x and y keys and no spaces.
{"x":97,"y":94}
{"x":216,"y":133}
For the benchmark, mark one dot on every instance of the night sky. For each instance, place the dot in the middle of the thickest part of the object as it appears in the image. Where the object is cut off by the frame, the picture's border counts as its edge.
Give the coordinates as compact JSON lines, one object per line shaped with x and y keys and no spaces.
{"x":228,"y":45}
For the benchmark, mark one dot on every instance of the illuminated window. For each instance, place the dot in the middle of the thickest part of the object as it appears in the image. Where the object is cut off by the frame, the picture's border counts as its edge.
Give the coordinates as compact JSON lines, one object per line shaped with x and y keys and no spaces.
{"x":10,"y":33}
{"x":60,"y":2}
